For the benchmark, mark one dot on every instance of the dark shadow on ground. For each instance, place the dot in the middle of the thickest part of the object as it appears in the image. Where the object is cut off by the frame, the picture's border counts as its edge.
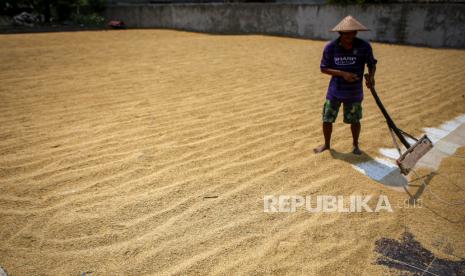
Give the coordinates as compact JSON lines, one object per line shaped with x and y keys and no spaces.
{"x":409,"y":255}
{"x":349,"y":157}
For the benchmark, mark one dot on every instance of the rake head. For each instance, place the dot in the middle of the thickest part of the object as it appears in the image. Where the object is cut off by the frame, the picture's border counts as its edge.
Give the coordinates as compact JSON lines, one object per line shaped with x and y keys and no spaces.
{"x":413,"y":154}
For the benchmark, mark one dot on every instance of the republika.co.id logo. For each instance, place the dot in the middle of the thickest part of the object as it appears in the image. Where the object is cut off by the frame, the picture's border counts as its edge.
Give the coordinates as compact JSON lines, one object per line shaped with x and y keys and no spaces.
{"x":329,"y":204}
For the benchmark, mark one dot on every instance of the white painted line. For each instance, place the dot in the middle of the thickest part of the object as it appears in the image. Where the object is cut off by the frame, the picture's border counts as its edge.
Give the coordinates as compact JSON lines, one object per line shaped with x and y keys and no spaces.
{"x":376,"y":169}
{"x":390,"y":153}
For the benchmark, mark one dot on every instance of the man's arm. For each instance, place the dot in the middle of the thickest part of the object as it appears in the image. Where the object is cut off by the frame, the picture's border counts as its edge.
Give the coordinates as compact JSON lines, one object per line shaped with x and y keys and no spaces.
{"x":371,"y":76}
{"x":350,"y":77}
{"x":371,"y":64}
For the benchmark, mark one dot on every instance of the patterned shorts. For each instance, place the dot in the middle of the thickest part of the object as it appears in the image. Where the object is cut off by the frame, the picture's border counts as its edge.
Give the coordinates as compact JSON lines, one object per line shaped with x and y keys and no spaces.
{"x":352,"y":112}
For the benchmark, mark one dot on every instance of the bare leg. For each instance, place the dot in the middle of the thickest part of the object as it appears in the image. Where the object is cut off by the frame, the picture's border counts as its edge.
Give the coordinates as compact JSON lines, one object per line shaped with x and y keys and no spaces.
{"x":355,"y":128}
{"x":327,"y":130}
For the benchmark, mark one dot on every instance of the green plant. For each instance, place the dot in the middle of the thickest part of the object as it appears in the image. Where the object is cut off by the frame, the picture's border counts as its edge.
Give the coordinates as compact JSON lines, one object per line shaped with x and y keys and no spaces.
{"x":88,"y":19}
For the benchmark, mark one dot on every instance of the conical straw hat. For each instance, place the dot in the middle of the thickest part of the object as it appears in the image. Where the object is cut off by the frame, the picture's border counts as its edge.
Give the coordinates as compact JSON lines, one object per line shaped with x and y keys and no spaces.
{"x":349,"y":24}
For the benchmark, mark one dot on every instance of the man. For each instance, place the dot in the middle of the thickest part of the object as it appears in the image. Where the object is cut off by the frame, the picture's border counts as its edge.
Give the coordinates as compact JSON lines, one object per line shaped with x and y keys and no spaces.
{"x":344,"y":59}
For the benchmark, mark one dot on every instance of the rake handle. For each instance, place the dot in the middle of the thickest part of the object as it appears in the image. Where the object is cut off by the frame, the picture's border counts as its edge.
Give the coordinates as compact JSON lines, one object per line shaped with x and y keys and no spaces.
{"x":389,"y":121}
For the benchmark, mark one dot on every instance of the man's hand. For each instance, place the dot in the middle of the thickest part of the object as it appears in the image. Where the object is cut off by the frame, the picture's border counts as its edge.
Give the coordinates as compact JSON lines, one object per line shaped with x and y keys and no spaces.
{"x":350,"y":77}
{"x":370,"y":81}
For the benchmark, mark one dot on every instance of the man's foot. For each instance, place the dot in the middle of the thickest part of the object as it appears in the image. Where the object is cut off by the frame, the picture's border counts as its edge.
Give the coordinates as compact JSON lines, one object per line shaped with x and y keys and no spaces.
{"x":321,"y":149}
{"x":356,"y":150}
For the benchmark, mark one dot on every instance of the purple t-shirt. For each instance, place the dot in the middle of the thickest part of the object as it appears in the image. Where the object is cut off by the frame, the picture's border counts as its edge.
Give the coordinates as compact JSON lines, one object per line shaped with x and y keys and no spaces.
{"x":353,"y":60}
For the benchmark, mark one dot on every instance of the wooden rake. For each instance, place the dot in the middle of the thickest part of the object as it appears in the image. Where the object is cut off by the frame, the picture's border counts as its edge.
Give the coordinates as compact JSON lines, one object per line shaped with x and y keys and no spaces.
{"x":414,"y":152}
